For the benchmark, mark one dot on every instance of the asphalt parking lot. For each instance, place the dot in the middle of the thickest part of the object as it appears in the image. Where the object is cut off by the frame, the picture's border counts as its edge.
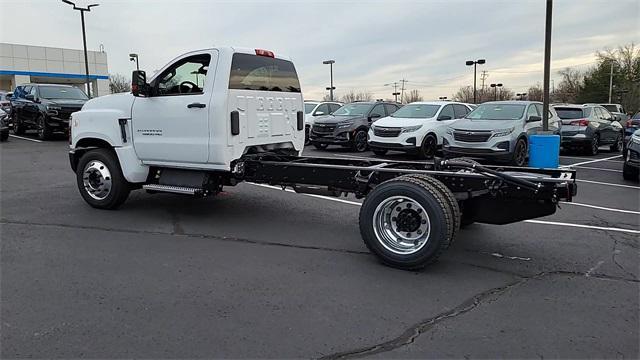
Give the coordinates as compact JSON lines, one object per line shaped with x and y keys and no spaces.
{"x":263,"y":273}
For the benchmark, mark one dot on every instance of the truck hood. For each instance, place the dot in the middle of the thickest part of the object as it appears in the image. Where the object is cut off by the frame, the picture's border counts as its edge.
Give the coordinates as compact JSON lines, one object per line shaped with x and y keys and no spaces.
{"x":119,"y":102}
{"x":391,"y":121}
{"x":468,"y":124}
{"x":333,"y":119}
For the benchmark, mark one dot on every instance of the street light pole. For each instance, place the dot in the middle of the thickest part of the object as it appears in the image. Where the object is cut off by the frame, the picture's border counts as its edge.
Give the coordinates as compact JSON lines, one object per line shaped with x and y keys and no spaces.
{"x":84,"y":40}
{"x":133,"y":57}
{"x":330,"y":63}
{"x":547,"y":66}
{"x":475,"y":63}
{"x":610,"y":80}
{"x":495,"y":90}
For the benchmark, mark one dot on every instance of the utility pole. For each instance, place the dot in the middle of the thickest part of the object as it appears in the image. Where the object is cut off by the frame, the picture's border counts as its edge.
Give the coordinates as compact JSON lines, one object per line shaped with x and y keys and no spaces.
{"x":483,"y":77}
{"x":403,"y":81}
{"x":610,"y":80}
{"x":395,"y":89}
{"x":330,"y":88}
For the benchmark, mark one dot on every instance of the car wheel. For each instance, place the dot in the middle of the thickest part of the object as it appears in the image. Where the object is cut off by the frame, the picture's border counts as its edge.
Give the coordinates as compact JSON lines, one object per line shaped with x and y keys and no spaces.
{"x":630,"y":173}
{"x":360,"y":141}
{"x":18,"y":126}
{"x":100,"y":179}
{"x":306,"y":136}
{"x":4,"y":136}
{"x":520,"y":153}
{"x":320,"y":146}
{"x":428,"y":148}
{"x":618,"y":145}
{"x":44,"y":133}
{"x":380,"y":152}
{"x":594,"y":145}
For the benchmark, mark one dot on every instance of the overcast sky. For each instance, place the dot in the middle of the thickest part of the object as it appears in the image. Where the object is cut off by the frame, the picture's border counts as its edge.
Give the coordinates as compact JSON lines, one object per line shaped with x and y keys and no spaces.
{"x":372,"y":42}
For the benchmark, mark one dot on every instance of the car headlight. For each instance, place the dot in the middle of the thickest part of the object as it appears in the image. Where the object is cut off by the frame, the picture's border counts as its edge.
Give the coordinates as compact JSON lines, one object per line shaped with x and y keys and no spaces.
{"x":635,"y":139}
{"x":503,"y":132}
{"x":53,"y":109}
{"x":344,"y":125}
{"x":409,"y":129}
{"x":450,"y":131}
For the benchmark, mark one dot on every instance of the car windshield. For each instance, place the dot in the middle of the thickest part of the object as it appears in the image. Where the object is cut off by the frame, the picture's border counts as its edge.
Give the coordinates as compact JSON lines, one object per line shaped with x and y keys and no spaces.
{"x":611,"y":108}
{"x":353,"y":110}
{"x":62,"y":92}
{"x":419,"y":111}
{"x":308,"y":107}
{"x":497,"y":112}
{"x":573,"y":113}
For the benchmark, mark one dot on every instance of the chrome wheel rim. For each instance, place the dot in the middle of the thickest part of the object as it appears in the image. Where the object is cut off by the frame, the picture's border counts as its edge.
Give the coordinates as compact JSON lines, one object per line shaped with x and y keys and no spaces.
{"x":96,"y":178}
{"x":520,"y":154}
{"x":401,"y":225}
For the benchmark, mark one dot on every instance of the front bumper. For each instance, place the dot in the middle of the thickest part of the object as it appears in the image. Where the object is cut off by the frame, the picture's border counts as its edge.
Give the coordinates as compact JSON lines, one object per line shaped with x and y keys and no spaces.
{"x":335,"y":138}
{"x":484,"y":153}
{"x":73,"y":160}
{"x":392,"y":146}
{"x":402,"y":142}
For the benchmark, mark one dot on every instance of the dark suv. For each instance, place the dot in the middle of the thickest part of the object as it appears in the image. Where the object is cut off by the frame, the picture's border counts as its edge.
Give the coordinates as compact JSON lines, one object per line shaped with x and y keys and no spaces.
{"x":348,"y":126}
{"x":45,"y":108}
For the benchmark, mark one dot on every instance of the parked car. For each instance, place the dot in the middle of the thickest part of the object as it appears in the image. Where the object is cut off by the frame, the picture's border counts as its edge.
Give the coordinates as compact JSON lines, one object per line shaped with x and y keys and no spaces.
{"x":4,"y":125}
{"x":5,"y":101}
{"x":630,"y":126}
{"x":498,"y":131}
{"x":617,"y":111}
{"x":587,"y":127}
{"x":45,"y":108}
{"x":631,"y":167}
{"x":416,"y":128}
{"x":316,"y":108}
{"x":348,"y":126}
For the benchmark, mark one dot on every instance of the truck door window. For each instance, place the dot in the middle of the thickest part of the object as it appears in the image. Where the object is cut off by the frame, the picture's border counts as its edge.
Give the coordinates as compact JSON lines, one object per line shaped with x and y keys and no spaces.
{"x":185,"y":77}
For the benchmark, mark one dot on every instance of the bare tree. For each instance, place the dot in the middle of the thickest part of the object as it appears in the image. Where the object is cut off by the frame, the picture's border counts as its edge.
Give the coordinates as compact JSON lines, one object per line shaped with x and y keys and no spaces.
{"x":569,"y":86}
{"x":118,"y":84}
{"x":535,"y":93}
{"x":412,"y":96}
{"x":464,"y":94}
{"x":352,"y":96}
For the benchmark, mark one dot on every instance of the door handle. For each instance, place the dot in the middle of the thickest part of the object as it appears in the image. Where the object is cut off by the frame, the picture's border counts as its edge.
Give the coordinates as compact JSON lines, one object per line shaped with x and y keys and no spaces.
{"x":196,"y":105}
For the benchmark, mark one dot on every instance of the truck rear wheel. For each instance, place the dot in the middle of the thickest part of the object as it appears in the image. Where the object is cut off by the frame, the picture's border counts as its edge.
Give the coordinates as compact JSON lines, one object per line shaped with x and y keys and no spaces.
{"x":407,"y":222}
{"x":100,"y":180}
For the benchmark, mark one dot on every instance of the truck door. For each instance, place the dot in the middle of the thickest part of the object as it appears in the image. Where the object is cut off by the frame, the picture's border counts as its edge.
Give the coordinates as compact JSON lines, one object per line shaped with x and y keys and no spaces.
{"x":172,"y":125}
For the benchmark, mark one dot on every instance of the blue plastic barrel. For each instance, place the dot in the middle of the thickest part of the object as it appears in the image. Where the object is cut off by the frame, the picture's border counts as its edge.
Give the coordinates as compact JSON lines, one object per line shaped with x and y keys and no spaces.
{"x":544,"y":151}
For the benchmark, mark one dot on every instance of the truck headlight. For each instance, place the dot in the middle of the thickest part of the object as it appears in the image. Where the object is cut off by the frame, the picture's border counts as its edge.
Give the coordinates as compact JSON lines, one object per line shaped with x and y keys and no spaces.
{"x":503,"y":132}
{"x":409,"y":129}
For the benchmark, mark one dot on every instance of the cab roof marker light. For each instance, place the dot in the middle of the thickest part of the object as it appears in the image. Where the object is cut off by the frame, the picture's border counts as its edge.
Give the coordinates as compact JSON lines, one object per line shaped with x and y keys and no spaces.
{"x":262,"y":52}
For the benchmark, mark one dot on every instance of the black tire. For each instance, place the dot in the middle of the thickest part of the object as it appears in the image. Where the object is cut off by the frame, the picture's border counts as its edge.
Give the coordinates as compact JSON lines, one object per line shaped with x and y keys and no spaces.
{"x":18,"y":126}
{"x":619,"y":144}
{"x":520,"y":153}
{"x":306,"y":136}
{"x":359,"y":142}
{"x":594,"y":145}
{"x":428,"y":148}
{"x":630,"y":173}
{"x":320,"y":146}
{"x":380,"y":152}
{"x":120,"y":188}
{"x":436,"y":206}
{"x":44,"y":132}
{"x":4,"y":135}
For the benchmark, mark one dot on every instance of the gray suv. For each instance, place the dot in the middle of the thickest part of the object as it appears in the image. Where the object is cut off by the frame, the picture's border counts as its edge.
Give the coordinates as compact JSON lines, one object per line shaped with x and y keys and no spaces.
{"x":498,"y":131}
{"x":587,"y":127}
{"x":348,"y":126}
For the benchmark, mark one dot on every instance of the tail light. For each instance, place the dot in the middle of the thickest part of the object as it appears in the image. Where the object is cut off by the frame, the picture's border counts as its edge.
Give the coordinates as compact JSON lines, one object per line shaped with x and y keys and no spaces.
{"x":262,"y":52}
{"x":633,"y":123}
{"x":580,"y":122}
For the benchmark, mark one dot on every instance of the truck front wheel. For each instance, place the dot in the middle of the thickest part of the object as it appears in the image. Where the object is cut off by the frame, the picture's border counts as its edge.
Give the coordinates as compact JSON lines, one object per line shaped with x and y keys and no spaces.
{"x":100,"y":179}
{"x":407,"y":222}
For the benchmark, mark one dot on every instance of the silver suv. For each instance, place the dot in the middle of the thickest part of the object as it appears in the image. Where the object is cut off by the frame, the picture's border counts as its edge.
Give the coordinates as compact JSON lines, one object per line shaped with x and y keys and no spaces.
{"x":498,"y":131}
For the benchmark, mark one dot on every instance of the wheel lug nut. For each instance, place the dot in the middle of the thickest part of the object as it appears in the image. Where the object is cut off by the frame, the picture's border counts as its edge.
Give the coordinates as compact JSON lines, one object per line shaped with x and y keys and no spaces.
{"x":394,"y":218}
{"x":419,"y":232}
{"x":398,"y":208}
{"x":408,"y":206}
{"x":424,"y":221}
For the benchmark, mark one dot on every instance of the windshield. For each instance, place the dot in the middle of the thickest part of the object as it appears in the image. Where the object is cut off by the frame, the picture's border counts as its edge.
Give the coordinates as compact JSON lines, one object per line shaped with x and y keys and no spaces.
{"x":611,"y":108}
{"x":497,"y":112}
{"x":60,"y":92}
{"x":573,"y":113}
{"x":353,"y":110}
{"x":417,"y":111}
{"x":308,"y":107}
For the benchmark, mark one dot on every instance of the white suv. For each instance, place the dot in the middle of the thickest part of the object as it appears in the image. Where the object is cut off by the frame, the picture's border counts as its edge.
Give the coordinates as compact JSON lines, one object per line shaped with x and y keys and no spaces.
{"x":417,"y":128}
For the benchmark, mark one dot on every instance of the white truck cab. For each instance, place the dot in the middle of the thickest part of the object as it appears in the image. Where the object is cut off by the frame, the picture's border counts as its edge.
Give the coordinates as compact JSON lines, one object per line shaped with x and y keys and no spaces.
{"x":201,"y":111}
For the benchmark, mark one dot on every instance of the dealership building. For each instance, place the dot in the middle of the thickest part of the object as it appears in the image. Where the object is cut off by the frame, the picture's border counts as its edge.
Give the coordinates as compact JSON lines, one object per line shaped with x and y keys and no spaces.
{"x":20,"y":64}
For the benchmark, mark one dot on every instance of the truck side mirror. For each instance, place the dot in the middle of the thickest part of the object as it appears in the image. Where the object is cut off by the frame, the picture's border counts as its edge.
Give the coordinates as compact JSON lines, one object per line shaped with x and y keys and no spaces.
{"x":139,"y":84}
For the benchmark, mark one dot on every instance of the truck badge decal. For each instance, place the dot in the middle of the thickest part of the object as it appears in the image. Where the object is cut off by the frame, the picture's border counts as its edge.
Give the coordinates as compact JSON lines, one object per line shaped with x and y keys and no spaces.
{"x":150,"y":132}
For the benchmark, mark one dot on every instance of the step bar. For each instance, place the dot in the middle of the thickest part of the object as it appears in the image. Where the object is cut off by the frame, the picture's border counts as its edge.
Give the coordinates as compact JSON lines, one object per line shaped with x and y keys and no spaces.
{"x":174,"y":189}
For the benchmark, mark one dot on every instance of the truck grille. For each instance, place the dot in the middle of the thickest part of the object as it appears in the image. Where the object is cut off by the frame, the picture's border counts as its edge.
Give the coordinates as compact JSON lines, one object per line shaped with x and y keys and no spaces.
{"x":386,"y":131}
{"x":66,"y":111}
{"x":471,"y":136}
{"x":323,"y":128}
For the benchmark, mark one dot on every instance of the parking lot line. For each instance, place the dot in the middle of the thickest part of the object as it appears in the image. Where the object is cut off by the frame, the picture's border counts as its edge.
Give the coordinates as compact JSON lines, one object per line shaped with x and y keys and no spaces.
{"x":595,"y":168}
{"x":631,"y":231}
{"x":24,"y":138}
{"x":601,"y":208}
{"x":591,"y":161}
{"x":608,"y":184}
{"x":582,"y":158}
